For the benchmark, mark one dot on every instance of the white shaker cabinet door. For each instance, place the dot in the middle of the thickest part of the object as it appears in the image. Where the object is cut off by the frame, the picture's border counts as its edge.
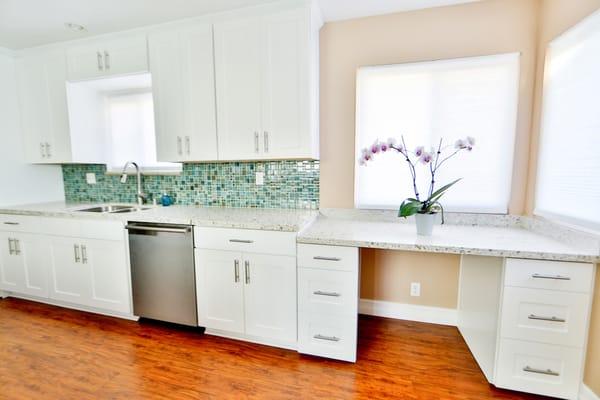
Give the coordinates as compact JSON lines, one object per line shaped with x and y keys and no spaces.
{"x":238,"y":62}
{"x":270,"y":296}
{"x":43,"y":105}
{"x":108,"y":273}
{"x":286,"y":130}
{"x":12,"y":274}
{"x":183,"y":85}
{"x":69,"y":276}
{"x":220,"y":291}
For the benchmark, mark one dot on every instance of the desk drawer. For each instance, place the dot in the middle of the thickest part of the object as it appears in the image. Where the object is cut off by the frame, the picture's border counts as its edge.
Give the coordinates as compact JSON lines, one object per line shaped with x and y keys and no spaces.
{"x":325,"y":291}
{"x":552,"y":275}
{"x":545,"y":316}
{"x":328,"y":257}
{"x":327,"y":336}
{"x":245,"y":240}
{"x":539,"y":368}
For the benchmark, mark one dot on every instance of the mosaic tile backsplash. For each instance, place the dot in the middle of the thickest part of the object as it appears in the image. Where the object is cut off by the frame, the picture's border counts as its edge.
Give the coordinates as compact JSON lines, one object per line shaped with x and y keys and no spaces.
{"x":287,"y":184}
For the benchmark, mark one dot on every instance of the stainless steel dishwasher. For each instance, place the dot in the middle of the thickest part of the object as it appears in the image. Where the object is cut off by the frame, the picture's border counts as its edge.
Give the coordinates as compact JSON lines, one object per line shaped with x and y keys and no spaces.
{"x":162,"y":272}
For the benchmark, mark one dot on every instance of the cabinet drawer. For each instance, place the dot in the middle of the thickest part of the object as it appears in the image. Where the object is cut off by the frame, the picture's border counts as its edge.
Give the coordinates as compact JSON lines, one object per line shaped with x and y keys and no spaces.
{"x":545,"y":316}
{"x":324,"y":291}
{"x":539,"y":368}
{"x":327,"y":336}
{"x":553,"y":275}
{"x":19,"y":223}
{"x":245,"y":240}
{"x":328,"y":257}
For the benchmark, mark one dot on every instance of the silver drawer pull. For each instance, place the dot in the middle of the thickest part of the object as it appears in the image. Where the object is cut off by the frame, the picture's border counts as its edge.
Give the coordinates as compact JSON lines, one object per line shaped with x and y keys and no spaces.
{"x":328,"y":338}
{"x":330,"y":294}
{"x":241,"y":241}
{"x":236,"y":271}
{"x":551,"y":319}
{"x":11,"y":223}
{"x":555,"y":277}
{"x":541,"y":371}
{"x":327,"y":258}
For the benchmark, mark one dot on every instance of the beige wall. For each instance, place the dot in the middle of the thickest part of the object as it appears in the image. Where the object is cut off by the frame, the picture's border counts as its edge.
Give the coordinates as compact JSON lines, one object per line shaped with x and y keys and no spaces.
{"x":400,"y":268}
{"x":474,"y":29}
{"x":487,"y":27}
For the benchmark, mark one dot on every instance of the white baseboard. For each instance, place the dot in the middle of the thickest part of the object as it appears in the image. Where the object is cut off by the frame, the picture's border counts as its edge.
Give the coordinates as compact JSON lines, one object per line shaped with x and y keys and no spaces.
{"x":410,"y":312}
{"x":586,"y":393}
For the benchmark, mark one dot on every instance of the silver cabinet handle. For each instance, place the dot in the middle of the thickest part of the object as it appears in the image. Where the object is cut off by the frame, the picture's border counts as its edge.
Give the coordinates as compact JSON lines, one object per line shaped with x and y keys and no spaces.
{"x":10,"y":247}
{"x":328,"y":338}
{"x":541,"y":371}
{"x":266,"y":141}
{"x":42,"y":150}
{"x":241,"y":241}
{"x":76,"y":252}
{"x":106,"y":60}
{"x":179,"y":146}
{"x":327,"y":258}
{"x":236,"y":271}
{"x":99,"y":56}
{"x":11,"y":223}
{"x":84,"y":258}
{"x":551,"y":319}
{"x":256,"y":142}
{"x":329,"y":294}
{"x":247,"y":271}
{"x":555,"y":277}
{"x":187,"y":145}
{"x":48,"y":154}
{"x":17,"y":244}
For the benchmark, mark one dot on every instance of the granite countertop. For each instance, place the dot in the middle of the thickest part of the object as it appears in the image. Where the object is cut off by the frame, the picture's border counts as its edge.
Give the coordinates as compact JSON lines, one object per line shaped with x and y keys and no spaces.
{"x":242,"y":218}
{"x":500,"y":237}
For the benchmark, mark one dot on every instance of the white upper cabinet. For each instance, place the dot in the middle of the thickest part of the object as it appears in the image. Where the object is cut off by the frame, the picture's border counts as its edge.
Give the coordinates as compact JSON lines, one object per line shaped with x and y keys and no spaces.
{"x":183,"y":87}
{"x":126,"y":55}
{"x":41,"y":76}
{"x":238,"y":64}
{"x":267,"y":86}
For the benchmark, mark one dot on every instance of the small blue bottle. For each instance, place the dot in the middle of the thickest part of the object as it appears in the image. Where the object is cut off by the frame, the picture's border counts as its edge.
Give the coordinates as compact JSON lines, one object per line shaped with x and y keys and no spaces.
{"x":166,"y":200}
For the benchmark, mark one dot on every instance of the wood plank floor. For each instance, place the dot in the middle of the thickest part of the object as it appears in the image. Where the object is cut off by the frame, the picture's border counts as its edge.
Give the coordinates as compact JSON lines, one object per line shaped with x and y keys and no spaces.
{"x":52,"y":353}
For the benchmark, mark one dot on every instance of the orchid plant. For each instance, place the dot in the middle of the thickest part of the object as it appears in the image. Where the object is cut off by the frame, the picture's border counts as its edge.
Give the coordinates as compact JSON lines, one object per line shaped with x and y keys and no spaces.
{"x":433,"y":159}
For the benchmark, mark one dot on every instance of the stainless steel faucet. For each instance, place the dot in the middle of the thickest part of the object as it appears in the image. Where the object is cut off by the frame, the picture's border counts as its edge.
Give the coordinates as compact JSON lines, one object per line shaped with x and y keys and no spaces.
{"x":141,"y":197}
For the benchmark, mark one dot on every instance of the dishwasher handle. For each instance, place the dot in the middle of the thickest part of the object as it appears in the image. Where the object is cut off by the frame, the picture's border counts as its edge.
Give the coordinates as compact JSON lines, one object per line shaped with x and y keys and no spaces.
{"x":151,"y":228}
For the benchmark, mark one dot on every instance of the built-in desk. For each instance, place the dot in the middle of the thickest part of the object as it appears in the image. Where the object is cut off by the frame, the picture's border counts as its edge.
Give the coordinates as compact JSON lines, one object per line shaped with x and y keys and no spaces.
{"x":525,"y":291}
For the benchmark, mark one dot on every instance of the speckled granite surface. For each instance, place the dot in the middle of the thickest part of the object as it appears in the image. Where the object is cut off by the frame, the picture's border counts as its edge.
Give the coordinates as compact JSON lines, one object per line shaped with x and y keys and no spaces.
{"x":489,"y":235}
{"x":285,"y":220}
{"x":478,"y":234}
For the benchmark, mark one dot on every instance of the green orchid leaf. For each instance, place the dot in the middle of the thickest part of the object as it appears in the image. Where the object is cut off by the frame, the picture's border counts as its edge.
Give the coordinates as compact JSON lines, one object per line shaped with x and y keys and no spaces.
{"x":409,"y":207}
{"x":435,"y":196}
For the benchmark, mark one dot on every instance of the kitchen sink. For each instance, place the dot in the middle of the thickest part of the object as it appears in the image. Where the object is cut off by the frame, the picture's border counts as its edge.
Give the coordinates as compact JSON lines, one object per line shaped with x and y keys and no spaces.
{"x":113,"y":209}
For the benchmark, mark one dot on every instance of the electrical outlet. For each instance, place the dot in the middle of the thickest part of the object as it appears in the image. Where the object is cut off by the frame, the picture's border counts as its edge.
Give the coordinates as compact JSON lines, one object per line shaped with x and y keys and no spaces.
{"x":90,"y":178}
{"x":415,"y":289}
{"x":260,"y":178}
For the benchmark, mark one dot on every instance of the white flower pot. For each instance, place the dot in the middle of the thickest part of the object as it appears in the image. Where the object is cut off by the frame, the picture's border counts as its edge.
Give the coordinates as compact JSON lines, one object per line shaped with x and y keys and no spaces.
{"x":425,"y":223}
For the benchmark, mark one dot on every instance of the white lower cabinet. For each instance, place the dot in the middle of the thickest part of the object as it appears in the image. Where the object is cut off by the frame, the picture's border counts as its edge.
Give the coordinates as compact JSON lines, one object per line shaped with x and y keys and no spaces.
{"x":90,"y":270}
{"x":23,"y":263}
{"x":328,"y":301}
{"x":270,"y":296}
{"x":220,"y":290}
{"x":249,"y":294}
{"x":535,"y":339}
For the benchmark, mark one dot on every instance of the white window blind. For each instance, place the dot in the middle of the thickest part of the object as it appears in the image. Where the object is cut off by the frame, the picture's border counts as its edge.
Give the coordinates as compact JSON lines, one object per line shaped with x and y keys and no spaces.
{"x":568,"y":176}
{"x":130,"y":129}
{"x":475,"y":96}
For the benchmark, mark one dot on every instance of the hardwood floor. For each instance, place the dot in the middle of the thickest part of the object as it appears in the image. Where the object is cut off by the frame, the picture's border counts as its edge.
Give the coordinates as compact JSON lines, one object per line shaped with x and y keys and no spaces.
{"x":52,"y":353}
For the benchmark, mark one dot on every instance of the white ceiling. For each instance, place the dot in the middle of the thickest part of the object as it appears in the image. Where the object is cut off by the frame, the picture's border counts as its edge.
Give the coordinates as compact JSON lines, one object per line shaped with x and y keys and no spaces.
{"x":26,"y":23}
